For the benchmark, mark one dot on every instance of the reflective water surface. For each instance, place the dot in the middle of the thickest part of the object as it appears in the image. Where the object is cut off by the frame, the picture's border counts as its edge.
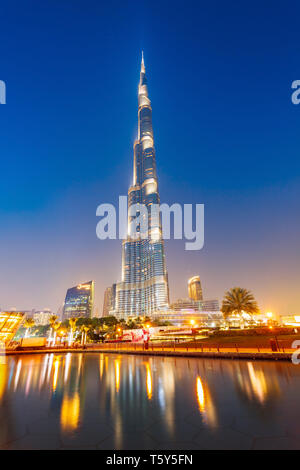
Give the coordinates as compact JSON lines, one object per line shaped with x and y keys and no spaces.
{"x":111,"y":401}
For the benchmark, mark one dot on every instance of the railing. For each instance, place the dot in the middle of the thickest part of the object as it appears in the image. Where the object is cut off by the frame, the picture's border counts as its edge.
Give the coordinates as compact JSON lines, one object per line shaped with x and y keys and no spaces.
{"x":184,"y":347}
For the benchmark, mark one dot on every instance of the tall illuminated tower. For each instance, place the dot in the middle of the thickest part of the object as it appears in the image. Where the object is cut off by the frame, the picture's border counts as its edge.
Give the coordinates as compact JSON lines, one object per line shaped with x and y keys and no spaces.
{"x":144,"y":287}
{"x":195,"y":288}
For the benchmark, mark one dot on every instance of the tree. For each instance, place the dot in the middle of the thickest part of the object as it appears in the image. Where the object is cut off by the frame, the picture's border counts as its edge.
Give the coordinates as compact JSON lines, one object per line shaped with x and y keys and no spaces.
{"x":29,"y":323}
{"x":53,"y":319}
{"x":72,"y":324}
{"x":238,"y":301}
{"x":55,"y":327}
{"x":84,"y":330}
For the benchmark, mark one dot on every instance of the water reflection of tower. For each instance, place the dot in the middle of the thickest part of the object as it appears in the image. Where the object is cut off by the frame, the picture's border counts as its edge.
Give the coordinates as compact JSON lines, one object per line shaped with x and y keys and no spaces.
{"x":166,"y":392}
{"x":129,"y":390}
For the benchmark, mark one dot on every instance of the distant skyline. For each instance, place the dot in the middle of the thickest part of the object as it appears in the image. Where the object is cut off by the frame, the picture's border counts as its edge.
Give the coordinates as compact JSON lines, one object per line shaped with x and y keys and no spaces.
{"x":226,"y":135}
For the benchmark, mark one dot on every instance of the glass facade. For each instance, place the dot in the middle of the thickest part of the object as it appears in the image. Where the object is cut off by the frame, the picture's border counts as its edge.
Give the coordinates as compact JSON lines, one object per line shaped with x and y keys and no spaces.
{"x":144,"y":287}
{"x":79,"y":301}
{"x":9,"y":324}
{"x":195,"y":288}
{"x":109,"y":303}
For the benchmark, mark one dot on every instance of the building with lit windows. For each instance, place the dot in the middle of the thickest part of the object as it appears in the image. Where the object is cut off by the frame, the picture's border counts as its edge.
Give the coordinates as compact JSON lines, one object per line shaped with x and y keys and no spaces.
{"x":144,"y":287}
{"x":196,"y":305}
{"x":195,"y":288}
{"x":42,"y":317}
{"x":109,"y":303}
{"x":191,"y":318}
{"x":79,"y":301}
{"x":9,"y":324}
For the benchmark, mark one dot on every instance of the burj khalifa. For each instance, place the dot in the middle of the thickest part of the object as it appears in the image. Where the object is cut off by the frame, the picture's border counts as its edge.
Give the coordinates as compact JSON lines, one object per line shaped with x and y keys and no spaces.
{"x":144,"y":286}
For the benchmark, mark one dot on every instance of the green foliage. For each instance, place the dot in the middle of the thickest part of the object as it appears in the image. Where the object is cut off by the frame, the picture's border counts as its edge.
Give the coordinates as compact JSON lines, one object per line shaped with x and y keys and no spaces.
{"x":238,"y":300}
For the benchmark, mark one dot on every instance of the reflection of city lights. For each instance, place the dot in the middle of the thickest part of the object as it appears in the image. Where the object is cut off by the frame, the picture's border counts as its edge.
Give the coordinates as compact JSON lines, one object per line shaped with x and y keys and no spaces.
{"x":101,"y":365}
{"x":29,"y":376}
{"x":67,"y":367}
{"x":200,"y":394}
{"x":258,"y":382}
{"x":55,"y":375}
{"x":17,"y":376}
{"x":3,"y":376}
{"x":70,"y":412}
{"x":148,"y":381}
{"x":205,"y":403}
{"x":117,"y":374}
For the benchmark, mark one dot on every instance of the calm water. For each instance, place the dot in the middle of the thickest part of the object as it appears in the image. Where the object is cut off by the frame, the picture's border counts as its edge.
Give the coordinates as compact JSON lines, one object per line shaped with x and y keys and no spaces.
{"x":108,"y":401}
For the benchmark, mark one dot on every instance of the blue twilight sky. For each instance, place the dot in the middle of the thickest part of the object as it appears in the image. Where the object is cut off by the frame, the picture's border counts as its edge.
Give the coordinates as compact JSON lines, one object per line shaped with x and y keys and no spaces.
{"x":226,"y":135}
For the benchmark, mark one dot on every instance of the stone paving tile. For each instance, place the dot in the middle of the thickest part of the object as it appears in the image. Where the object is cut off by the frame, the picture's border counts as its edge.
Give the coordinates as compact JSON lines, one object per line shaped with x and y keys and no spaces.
{"x":35,"y":442}
{"x":256,"y":428}
{"x":44,"y":426}
{"x":223,"y":439}
{"x":276,"y":443}
{"x":11,"y":433}
{"x":221,"y":418}
{"x":168,"y":431}
{"x":87,"y":435}
{"x":178,"y":446}
{"x":128,"y":441}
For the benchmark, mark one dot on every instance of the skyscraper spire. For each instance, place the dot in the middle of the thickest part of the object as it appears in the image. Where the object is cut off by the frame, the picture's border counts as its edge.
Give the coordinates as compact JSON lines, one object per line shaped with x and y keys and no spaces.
{"x":143,"y":70}
{"x":144,"y":287}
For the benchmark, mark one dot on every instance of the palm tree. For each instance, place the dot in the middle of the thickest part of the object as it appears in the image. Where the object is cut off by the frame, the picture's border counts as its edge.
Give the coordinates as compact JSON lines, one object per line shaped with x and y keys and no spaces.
{"x":237,"y":301}
{"x":84,"y":330}
{"x":29,"y":323}
{"x":72,"y":324}
{"x":52,"y":321}
{"x":55,"y":327}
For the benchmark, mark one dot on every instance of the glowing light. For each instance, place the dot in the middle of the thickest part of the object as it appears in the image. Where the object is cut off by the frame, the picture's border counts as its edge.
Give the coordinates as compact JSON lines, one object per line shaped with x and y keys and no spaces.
{"x":70,"y":413}
{"x":67,"y":366}
{"x":269,"y":314}
{"x":3,"y":379}
{"x":258,"y":382}
{"x":205,"y":403}
{"x":117,"y":374}
{"x":84,"y":286}
{"x":101,"y":365}
{"x":200,"y":394}
{"x":148,"y":381}
{"x":55,"y":375}
{"x":17,"y":376}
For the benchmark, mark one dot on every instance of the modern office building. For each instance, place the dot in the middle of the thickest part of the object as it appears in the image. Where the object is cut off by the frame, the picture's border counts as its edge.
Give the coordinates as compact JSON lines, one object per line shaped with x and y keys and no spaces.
{"x":197,"y":306}
{"x":191,"y":318}
{"x":195,"y":288}
{"x":109,"y":303}
{"x":9,"y":324}
{"x":144,"y":287}
{"x":79,"y":301}
{"x":42,"y":317}
{"x":290,"y":320}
